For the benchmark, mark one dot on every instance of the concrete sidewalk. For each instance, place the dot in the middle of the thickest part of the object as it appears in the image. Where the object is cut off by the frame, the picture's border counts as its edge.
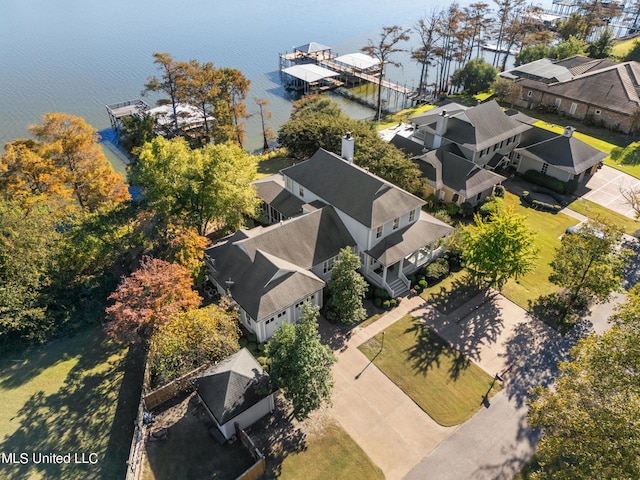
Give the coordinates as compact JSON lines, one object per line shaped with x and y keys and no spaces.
{"x":387,"y":424}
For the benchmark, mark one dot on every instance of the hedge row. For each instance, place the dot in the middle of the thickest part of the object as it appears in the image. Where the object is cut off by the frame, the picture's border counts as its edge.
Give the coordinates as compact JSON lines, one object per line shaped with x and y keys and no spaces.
{"x":550,"y":182}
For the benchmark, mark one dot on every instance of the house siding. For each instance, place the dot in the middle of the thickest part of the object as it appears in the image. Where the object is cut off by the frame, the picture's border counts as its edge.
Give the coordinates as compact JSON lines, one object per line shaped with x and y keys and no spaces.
{"x":248,"y":417}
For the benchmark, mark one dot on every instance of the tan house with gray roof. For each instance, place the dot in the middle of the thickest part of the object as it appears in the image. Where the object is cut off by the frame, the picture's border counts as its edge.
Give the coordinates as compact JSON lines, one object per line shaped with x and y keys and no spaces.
{"x":607,"y":92}
{"x":271,"y":271}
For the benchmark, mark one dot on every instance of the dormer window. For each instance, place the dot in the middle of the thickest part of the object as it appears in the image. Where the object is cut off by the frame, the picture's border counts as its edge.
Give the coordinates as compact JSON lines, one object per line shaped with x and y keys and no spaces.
{"x":379,"y":232}
{"x":396,"y":223}
{"x":301,"y":191}
{"x":412,"y":215}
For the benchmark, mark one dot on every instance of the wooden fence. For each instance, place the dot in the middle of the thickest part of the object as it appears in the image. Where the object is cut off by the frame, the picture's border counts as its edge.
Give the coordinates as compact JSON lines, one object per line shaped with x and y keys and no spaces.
{"x":167,"y":392}
{"x":258,"y":468}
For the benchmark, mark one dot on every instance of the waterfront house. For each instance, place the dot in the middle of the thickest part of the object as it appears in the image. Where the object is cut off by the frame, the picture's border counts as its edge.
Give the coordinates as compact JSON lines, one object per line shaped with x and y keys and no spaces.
{"x":320,"y":206}
{"x":601,"y":91}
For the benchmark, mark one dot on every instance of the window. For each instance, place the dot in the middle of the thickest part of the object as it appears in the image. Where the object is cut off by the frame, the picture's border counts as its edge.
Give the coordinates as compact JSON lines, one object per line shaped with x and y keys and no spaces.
{"x":301,"y":190}
{"x":495,"y":147}
{"x":557,"y":102}
{"x":282,"y":314}
{"x":544,"y":168}
{"x":478,"y":197}
{"x":412,"y":215}
{"x":455,"y":198}
{"x":327,"y":266}
{"x":529,"y":93}
{"x":270,"y":320}
{"x":379,"y":232}
{"x":572,"y":110}
{"x":396,"y":223}
{"x":597,"y":112}
{"x":288,"y":183}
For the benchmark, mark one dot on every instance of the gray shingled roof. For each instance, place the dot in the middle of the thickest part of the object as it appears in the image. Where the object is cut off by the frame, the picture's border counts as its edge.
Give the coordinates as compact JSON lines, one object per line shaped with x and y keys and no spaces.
{"x":407,"y":145}
{"x":612,"y":88}
{"x":251,"y":259}
{"x":560,"y":150}
{"x":480,"y":127}
{"x":409,"y":239}
{"x":232,"y":386}
{"x":461,"y":175}
{"x":363,"y":196}
{"x":430,"y":115}
{"x":271,"y":190}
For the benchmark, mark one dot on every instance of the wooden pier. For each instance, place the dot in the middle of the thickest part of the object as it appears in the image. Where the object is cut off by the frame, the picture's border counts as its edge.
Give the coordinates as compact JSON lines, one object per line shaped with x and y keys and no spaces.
{"x":117,"y":111}
{"x":352,"y":70}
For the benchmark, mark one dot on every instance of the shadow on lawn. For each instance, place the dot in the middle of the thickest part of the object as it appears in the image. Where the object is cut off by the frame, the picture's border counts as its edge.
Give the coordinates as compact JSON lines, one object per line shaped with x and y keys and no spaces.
{"x":79,"y":417}
{"x":278,"y":436}
{"x":462,"y":290}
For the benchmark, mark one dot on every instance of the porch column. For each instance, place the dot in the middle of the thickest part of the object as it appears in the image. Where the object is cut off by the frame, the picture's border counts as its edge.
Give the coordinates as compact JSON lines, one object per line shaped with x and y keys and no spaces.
{"x":384,"y":275}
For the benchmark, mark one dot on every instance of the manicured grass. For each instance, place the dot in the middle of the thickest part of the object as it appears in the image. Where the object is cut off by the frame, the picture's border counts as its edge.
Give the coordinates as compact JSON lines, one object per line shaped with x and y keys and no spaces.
{"x":403,"y":116}
{"x":620,"y":49}
{"x":372,"y":319}
{"x":331,"y":453}
{"x":64,"y":397}
{"x":548,"y":228}
{"x":438,"y":378}
{"x":595,"y":211}
{"x":273,"y":165}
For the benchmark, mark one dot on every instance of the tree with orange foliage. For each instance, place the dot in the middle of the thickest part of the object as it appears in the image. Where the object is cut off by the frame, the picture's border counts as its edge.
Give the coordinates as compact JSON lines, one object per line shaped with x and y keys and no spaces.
{"x":148,"y":298}
{"x":69,"y":144}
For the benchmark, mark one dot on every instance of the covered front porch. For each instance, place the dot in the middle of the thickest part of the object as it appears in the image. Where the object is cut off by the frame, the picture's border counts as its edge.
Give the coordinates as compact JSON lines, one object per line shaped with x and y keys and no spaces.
{"x":402,"y":253}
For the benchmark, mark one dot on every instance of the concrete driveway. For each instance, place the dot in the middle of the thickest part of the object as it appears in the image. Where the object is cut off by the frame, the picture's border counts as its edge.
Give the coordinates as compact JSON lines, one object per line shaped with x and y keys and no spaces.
{"x":604,"y":189}
{"x":388,"y":425}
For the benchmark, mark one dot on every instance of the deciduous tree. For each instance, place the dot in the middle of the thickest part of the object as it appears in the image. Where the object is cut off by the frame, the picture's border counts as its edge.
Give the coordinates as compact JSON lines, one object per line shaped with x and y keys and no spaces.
{"x":27,"y":260}
{"x":167,"y":83}
{"x":148,"y":298}
{"x":475,"y":77}
{"x":69,"y":143}
{"x":301,"y":364}
{"x":206,"y":185}
{"x":589,"y":264}
{"x":590,"y":419}
{"x":499,"y":249}
{"x":382,"y":49}
{"x":267,"y":131}
{"x":347,"y":288}
{"x":191,"y":339}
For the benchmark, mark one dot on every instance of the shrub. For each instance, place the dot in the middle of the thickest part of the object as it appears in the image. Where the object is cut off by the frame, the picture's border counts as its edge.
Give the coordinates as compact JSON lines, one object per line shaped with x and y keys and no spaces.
{"x":452,"y":209}
{"x":526,"y":197}
{"x":382,"y":294}
{"x":443,"y":216}
{"x":412,"y":279}
{"x":490,"y":206}
{"x":571,"y":186}
{"x":243,"y":342}
{"x":386,"y":304}
{"x":437,"y":269}
{"x":377,"y":302}
{"x":393,"y":302}
{"x":543,"y":180}
{"x":423,"y":284}
{"x":417,"y":288}
{"x":466,"y":209}
{"x":538,"y":205}
{"x":499,"y":191}
{"x":370,"y":292}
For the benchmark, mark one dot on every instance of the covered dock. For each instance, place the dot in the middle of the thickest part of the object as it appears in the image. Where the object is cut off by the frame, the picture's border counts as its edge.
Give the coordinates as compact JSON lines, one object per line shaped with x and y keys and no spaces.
{"x":310,"y":78}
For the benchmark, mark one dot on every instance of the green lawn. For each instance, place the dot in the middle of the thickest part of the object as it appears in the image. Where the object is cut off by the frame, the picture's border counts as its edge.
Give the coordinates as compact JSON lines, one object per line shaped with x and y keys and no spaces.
{"x":620,"y":49}
{"x":595,"y":211}
{"x":439,"y":379}
{"x":273,"y":165}
{"x":64,"y":397}
{"x":403,"y":116}
{"x":331,"y":453}
{"x":548,"y":228}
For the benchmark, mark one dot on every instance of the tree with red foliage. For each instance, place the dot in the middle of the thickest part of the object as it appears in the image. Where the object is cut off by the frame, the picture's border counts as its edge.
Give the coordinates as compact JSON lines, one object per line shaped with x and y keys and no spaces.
{"x":148,"y":298}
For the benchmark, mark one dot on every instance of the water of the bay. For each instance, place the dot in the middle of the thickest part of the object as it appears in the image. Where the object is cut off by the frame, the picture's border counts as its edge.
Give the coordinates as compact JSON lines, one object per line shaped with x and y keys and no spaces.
{"x":76,"y":56}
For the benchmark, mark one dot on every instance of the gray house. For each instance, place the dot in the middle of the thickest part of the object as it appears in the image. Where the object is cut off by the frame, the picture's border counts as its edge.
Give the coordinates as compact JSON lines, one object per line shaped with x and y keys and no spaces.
{"x":272,"y":271}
